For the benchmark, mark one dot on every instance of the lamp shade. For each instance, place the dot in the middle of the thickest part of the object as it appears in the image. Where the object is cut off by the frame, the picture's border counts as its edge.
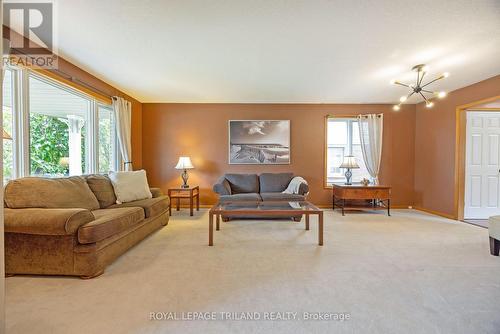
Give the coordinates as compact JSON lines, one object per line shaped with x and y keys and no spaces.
{"x":184,"y":163}
{"x":349,"y":162}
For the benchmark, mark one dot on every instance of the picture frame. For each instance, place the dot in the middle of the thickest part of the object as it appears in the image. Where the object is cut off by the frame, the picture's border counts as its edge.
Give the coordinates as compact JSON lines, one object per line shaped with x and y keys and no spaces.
{"x":259,"y":142}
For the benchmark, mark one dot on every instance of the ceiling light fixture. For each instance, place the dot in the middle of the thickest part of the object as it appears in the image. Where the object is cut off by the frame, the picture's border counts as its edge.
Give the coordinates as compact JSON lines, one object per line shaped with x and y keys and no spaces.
{"x":419,"y":87}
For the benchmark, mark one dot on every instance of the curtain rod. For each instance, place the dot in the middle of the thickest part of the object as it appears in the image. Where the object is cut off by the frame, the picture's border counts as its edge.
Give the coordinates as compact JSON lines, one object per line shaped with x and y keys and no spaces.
{"x":378,"y":115}
{"x":71,"y":78}
{"x":82,"y":83}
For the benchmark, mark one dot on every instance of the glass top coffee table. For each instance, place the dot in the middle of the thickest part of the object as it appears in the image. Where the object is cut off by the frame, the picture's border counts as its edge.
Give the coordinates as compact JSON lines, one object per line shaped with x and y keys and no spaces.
{"x":265,"y":209}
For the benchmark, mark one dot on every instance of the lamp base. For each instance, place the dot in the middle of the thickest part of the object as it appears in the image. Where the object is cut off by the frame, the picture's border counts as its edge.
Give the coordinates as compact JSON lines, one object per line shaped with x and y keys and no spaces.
{"x":348,"y":175}
{"x":185,"y":178}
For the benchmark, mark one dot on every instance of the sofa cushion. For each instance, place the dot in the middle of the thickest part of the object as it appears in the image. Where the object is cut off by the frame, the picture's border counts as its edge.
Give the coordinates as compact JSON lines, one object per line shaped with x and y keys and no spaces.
{"x":241,"y":197}
{"x":109,"y":222}
{"x":102,"y":188}
{"x":156,"y":192}
{"x":39,"y":192}
{"x":152,"y":206}
{"x":281,"y":197}
{"x":243,"y":183}
{"x":46,"y":221}
{"x":130,"y":186}
{"x":274,"y":182}
{"x":222,"y":187}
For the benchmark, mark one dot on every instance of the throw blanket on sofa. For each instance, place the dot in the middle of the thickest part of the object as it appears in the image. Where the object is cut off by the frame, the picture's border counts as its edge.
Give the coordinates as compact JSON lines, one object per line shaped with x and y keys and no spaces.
{"x":294,"y":185}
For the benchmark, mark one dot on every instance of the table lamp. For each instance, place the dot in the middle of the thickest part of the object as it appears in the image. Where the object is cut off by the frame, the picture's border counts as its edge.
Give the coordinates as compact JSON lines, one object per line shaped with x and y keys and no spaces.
{"x":349,"y":163}
{"x":185,"y":164}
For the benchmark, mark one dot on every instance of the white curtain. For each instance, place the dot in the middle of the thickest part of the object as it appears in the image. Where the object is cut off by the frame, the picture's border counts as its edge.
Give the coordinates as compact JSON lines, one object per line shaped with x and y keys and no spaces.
{"x":371,"y":127}
{"x":123,"y":119}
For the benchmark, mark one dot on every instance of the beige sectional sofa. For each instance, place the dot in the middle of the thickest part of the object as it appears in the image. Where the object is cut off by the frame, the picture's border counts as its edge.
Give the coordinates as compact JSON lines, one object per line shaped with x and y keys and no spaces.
{"x":73,"y":226}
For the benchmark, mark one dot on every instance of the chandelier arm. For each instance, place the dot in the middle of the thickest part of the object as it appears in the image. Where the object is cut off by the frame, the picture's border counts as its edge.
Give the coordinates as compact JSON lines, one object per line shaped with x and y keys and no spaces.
{"x":428,"y":91}
{"x":409,"y":95}
{"x":423,"y":96}
{"x":418,"y":79}
{"x":427,"y":84}
{"x":401,"y":84}
{"x":421,"y":79}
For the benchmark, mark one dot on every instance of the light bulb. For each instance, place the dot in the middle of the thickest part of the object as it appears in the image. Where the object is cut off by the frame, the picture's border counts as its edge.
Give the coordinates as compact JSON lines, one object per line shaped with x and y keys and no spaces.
{"x":446,"y":74}
{"x":396,"y":107}
{"x":429,"y":104}
{"x":392,"y":82}
{"x":403,"y":98}
{"x":441,"y":95}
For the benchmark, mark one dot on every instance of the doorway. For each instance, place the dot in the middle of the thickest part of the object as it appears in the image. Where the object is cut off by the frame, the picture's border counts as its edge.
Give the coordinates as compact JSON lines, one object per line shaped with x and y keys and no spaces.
{"x":482,"y":164}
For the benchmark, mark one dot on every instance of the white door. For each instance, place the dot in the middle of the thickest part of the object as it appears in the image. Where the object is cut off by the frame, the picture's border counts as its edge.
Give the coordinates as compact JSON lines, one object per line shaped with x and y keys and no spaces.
{"x":482,"y":169}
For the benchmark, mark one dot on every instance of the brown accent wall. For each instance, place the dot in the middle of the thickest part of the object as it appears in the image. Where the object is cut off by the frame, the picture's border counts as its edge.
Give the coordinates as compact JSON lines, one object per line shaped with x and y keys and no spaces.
{"x":201,"y":132}
{"x":435,"y":137}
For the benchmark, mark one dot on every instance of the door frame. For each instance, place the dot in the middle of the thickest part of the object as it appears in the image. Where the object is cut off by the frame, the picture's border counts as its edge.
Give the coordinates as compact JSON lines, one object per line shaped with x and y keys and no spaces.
{"x":460,"y":144}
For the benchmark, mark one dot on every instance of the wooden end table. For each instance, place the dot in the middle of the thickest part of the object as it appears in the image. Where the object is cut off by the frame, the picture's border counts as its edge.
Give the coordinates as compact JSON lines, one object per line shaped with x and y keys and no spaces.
{"x":378,"y":195}
{"x":185,"y":193}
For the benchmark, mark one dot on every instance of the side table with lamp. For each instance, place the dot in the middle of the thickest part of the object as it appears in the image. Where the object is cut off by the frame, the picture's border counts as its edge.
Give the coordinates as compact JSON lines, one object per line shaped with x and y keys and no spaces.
{"x":379,"y":195}
{"x":184,"y":191}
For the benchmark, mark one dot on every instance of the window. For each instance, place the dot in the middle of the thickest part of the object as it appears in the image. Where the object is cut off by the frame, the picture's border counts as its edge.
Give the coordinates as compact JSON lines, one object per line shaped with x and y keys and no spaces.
{"x":57,"y":130}
{"x":8,"y":158}
{"x":343,"y":139}
{"x":107,"y":140}
{"x":58,"y":125}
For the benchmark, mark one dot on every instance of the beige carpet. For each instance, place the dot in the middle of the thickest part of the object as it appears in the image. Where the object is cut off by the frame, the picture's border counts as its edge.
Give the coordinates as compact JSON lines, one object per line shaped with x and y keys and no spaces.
{"x":409,"y":273}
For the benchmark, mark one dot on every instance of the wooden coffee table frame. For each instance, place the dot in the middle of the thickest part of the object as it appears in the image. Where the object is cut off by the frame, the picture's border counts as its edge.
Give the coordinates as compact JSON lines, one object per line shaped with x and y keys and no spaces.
{"x":217,"y":211}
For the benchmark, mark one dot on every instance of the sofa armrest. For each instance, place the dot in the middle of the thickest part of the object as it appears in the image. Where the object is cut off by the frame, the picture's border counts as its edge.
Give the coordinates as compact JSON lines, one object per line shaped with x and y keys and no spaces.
{"x":222,"y":187}
{"x":156,"y":192}
{"x":46,"y":221}
{"x":303,"y":189}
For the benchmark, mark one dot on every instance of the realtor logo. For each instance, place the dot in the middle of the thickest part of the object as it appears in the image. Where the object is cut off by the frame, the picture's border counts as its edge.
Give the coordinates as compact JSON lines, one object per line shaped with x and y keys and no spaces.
{"x":30,"y":38}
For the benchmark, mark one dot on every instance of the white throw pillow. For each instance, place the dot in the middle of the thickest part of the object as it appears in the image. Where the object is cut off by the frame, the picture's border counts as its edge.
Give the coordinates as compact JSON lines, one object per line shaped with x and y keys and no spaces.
{"x":130,"y":186}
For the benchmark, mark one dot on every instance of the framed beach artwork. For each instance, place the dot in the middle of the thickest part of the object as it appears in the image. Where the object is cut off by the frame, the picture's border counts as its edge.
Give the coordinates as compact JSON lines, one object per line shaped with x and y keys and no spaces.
{"x":259,"y":142}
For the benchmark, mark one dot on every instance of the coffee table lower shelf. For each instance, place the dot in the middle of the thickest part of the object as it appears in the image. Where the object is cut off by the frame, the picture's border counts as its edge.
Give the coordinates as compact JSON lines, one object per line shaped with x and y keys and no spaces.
{"x":262,"y":209}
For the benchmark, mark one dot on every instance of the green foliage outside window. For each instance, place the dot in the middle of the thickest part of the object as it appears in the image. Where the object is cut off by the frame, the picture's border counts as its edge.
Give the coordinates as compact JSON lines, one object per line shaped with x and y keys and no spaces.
{"x":7,"y":146}
{"x":49,"y":141}
{"x":105,"y":145}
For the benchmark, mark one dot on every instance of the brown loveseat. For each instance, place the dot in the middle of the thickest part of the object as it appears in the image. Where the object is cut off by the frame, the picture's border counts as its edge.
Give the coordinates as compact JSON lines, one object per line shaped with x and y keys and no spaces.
{"x":72,"y":226}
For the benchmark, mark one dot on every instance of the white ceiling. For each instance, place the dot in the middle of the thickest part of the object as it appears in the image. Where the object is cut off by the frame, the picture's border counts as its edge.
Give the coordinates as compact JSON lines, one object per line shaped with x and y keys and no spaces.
{"x":282,"y":51}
